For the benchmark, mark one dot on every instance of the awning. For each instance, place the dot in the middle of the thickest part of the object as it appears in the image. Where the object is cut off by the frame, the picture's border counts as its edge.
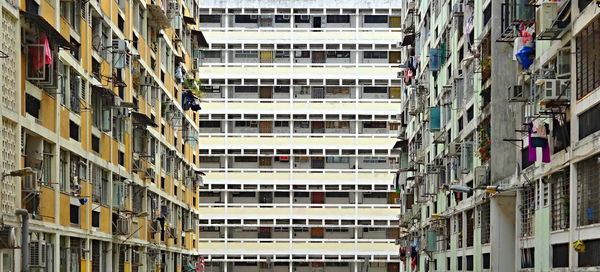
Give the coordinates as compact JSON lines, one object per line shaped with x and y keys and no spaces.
{"x":408,"y":40}
{"x":189,"y":20}
{"x":140,"y":118}
{"x":103,"y":90}
{"x":158,"y":17}
{"x":399,"y":144}
{"x":200,"y":39}
{"x":47,"y":28}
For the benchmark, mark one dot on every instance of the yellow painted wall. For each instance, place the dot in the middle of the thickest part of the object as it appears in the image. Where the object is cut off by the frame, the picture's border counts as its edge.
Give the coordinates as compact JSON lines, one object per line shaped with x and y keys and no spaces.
{"x":105,"y":142}
{"x":47,"y":12}
{"x":84,"y":211}
{"x":65,"y":217}
{"x":64,"y":122}
{"x":65,"y":28}
{"x":115,"y":150}
{"x":47,"y":111}
{"x":105,"y":219}
{"x":47,"y":204}
{"x":85,"y":128}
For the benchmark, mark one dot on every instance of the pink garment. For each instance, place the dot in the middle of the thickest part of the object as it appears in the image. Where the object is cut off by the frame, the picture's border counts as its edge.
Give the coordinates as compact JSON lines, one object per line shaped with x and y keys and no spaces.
{"x":39,"y":58}
{"x":47,"y":50}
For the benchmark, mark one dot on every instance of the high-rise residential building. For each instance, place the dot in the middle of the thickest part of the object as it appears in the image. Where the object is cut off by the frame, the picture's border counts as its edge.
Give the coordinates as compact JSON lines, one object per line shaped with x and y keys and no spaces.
{"x":499,"y":133}
{"x":297,"y":127}
{"x":99,"y":131}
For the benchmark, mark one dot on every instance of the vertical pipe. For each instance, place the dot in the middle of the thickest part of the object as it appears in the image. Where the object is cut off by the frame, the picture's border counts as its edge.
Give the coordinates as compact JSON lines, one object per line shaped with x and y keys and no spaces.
{"x":24,"y":239}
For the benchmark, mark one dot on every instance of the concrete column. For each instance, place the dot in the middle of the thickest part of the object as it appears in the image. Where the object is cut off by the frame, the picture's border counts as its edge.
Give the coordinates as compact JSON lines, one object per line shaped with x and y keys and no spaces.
{"x":502,"y":231}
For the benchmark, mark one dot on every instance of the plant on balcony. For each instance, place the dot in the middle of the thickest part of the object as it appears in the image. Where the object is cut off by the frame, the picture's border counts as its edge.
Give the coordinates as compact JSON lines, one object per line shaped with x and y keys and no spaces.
{"x":193,"y":85}
{"x":485,"y":144}
{"x":486,"y":67}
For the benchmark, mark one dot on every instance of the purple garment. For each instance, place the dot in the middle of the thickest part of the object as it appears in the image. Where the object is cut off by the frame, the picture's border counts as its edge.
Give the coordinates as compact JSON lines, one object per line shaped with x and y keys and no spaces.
{"x":531,"y":148}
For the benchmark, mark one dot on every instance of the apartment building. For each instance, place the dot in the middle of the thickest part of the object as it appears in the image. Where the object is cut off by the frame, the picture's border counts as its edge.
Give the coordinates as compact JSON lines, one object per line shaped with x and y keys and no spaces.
{"x":498,"y":138}
{"x":99,"y":135}
{"x":297,"y":127}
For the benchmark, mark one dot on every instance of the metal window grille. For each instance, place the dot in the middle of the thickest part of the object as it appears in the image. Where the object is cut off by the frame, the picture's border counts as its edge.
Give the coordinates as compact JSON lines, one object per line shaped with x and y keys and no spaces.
{"x":484,"y":224}
{"x":589,"y":258}
{"x":560,"y":201}
{"x":588,"y":191}
{"x":587,"y":58}
{"x":527,"y":209}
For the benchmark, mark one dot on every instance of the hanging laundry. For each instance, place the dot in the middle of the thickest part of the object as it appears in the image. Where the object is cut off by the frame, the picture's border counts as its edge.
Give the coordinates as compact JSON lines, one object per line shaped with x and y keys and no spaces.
{"x":537,"y":136}
{"x":179,"y":75}
{"x":190,"y":101}
{"x":526,"y":55}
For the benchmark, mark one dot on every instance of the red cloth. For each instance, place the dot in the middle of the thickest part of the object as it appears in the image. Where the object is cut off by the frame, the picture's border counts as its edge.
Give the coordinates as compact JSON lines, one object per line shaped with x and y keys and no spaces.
{"x":39,"y":58}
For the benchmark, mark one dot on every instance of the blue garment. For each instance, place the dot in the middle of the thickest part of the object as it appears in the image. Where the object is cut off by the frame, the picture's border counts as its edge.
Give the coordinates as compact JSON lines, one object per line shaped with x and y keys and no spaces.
{"x":525,"y":56}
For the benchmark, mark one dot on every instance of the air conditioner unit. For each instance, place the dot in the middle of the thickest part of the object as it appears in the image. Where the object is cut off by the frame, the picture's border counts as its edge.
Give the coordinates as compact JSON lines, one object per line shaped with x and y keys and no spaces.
{"x":545,"y":15}
{"x":438,"y":137}
{"x":155,"y":226}
{"x":120,"y":45}
{"x":457,"y":9}
{"x":150,"y":172}
{"x":123,"y":226}
{"x":148,"y":81}
{"x":8,"y":237}
{"x":480,"y":176}
{"x":453,"y":149}
{"x":173,"y":8}
{"x":286,"y":17}
{"x":552,"y":90}
{"x":37,"y":253}
{"x":517,"y":93}
{"x":432,"y":168}
{"x":30,"y":183}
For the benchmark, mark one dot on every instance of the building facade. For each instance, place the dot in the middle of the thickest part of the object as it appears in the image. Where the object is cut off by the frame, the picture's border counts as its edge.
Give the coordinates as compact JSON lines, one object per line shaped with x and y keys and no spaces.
{"x":297,"y":128}
{"x":498,"y":138}
{"x":99,"y":135}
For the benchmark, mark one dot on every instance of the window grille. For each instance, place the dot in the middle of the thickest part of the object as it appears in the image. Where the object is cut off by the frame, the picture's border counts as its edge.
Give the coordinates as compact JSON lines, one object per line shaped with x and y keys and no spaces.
{"x":587,"y":58}
{"x":588,"y":191}
{"x":560,"y":201}
{"x":589,"y":258}
{"x":484,"y":223}
{"x":527,"y":209}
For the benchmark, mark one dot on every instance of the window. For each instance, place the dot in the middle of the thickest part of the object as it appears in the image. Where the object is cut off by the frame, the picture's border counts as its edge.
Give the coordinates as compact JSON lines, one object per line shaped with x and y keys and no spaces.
{"x":375,"y":160}
{"x":370,"y":124}
{"x":375,"y":54}
{"x":205,"y":18}
{"x":70,"y":10}
{"x":96,"y":219}
{"x":375,"y":90}
{"x":74,"y":214}
{"x":251,"y":124}
{"x":282,"y":123}
{"x":64,"y":171}
{"x":95,"y":144}
{"x":560,"y":255}
{"x":470,"y":263}
{"x":589,"y":258}
{"x":338,"y":54}
{"x":588,"y":121}
{"x":47,"y":163}
{"x":527,"y":257}
{"x":246,"y":89}
{"x":484,"y":223}
{"x":587,"y":59}
{"x":376,"y":19}
{"x":486,"y":260}
{"x":302,"y":54}
{"x":559,"y":184}
{"x":588,"y":191}
{"x":339,"y":19}
{"x":527,"y":209}
{"x":246,"y":54}
{"x":246,"y":19}
{"x":337,"y":160}
{"x":337,"y":194}
{"x":96,"y":179}
{"x":74,"y":131}
{"x":302,"y":19}
{"x":210,"y":124}
{"x":211,"y":54}
{"x":32,"y":106}
{"x":337,"y":124}
{"x":282,"y":18}
{"x":245,"y":159}
{"x":281,"y":89}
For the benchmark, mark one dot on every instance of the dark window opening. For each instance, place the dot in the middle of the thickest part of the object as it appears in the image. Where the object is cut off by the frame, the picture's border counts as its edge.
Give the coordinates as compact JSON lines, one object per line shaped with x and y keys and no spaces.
{"x":588,"y":121}
{"x":339,"y":19}
{"x":74,"y":214}
{"x":32,"y":106}
{"x":376,"y":19}
{"x":560,"y":255}
{"x":95,"y":219}
{"x":73,"y":131}
{"x":246,"y":19}
{"x":95,"y":144}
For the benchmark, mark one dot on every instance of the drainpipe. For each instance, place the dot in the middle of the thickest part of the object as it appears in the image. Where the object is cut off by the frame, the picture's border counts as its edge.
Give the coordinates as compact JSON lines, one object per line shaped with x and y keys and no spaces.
{"x":24,"y":239}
